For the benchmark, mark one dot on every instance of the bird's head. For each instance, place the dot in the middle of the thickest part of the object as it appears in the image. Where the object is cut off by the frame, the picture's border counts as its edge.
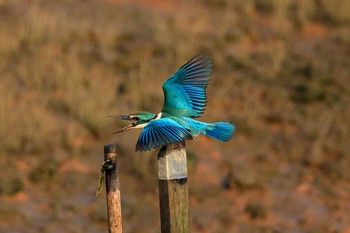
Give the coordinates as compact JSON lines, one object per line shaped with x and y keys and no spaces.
{"x":139,"y":120}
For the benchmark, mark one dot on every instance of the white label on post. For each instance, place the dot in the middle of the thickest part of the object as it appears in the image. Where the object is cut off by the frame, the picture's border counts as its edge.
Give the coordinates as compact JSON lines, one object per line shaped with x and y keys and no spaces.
{"x":172,"y":163}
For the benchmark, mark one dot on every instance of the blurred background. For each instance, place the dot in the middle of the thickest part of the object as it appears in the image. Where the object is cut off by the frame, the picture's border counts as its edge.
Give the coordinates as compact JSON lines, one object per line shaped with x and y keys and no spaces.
{"x":280,"y":74}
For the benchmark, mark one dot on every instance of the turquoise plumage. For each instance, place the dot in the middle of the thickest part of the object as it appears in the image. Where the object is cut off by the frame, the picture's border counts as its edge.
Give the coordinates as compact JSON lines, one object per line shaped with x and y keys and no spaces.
{"x":185,"y":100}
{"x":184,"y":92}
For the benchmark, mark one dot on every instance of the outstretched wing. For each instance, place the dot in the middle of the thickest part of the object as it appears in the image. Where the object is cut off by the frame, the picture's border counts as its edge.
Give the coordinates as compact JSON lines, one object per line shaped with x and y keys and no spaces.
{"x":184,"y":91}
{"x":161,"y":132}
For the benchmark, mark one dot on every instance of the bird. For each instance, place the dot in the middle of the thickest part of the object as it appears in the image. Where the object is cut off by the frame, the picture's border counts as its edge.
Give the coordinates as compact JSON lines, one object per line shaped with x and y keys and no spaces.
{"x":185,"y":100}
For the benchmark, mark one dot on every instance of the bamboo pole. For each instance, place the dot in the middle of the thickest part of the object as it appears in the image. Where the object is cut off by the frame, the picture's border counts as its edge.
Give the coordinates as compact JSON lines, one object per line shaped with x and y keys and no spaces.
{"x":110,"y":167}
{"x":173,"y":189}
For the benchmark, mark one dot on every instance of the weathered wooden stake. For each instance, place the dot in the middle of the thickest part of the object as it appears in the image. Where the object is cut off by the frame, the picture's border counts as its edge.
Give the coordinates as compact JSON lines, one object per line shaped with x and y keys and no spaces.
{"x":112,"y":189}
{"x":173,"y":189}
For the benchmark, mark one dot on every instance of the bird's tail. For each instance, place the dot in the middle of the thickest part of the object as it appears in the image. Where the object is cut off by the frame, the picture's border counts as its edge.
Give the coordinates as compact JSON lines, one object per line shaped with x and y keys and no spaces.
{"x":222,"y":131}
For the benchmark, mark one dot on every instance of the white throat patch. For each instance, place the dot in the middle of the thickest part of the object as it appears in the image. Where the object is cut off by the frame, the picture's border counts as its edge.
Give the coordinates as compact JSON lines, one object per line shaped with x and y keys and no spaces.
{"x":140,"y":126}
{"x":159,"y":115}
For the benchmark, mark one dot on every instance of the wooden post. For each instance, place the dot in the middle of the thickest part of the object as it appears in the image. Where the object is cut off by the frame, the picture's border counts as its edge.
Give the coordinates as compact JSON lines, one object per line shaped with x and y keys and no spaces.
{"x":110,"y":167}
{"x":173,"y":189}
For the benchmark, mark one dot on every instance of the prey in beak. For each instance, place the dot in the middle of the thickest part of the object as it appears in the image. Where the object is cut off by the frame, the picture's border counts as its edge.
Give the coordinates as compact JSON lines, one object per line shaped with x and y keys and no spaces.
{"x":126,"y":117}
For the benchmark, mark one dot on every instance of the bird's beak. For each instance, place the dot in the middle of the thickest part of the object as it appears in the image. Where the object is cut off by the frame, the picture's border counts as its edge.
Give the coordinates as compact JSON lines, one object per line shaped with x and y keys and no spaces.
{"x":125,"y":128}
{"x":123,"y":117}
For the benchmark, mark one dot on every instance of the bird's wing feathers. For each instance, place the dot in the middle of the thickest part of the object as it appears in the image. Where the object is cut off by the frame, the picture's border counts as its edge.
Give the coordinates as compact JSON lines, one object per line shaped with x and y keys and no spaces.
{"x":184,"y":91}
{"x":161,"y":132}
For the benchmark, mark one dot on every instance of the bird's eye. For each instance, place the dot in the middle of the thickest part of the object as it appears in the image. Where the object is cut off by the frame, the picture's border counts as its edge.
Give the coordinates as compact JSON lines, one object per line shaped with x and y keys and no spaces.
{"x":136,"y":118}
